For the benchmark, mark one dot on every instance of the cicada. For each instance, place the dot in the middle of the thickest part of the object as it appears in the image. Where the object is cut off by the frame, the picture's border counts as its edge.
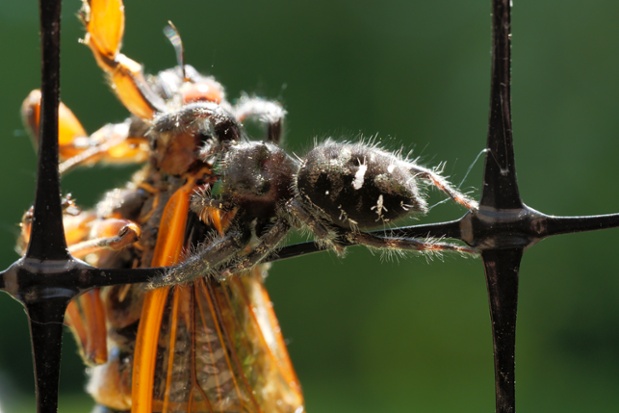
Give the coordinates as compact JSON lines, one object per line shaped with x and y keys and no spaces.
{"x":208,"y":345}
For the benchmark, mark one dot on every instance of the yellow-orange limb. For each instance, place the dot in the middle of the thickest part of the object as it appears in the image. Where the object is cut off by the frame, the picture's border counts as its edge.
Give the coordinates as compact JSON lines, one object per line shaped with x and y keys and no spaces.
{"x":85,"y":316}
{"x":69,"y":127}
{"x":114,"y":234}
{"x":110,"y":144}
{"x":105,"y":24}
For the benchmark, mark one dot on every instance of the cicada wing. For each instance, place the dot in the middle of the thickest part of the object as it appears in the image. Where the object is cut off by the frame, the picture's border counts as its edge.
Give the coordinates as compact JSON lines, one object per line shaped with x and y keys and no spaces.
{"x":221,"y":351}
{"x":209,"y":346}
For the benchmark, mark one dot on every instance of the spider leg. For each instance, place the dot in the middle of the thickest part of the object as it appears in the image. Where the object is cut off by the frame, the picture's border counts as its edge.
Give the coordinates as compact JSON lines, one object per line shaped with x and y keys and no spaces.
{"x":374,"y":241}
{"x":268,"y":242}
{"x":325,"y":236}
{"x":265,"y":111}
{"x":443,"y":185}
{"x":332,"y":236}
{"x":211,"y":255}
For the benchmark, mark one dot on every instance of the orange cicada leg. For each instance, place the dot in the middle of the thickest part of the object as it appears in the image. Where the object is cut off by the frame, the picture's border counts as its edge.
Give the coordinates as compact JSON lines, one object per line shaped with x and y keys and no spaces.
{"x":107,"y":234}
{"x":105,"y":26}
{"x":110,"y":144}
{"x":69,"y":127}
{"x":85,"y":315}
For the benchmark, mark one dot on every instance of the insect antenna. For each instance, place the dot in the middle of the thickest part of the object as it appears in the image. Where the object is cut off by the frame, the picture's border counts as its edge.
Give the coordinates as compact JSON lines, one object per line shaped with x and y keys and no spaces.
{"x":171,"y":32}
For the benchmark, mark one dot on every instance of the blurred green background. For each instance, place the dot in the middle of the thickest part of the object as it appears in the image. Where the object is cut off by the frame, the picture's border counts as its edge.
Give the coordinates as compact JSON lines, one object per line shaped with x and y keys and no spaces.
{"x":366,"y":334}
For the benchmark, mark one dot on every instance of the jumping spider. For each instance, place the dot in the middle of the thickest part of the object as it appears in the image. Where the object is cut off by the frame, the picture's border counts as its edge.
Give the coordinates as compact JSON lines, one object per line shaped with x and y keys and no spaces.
{"x":338,"y":191}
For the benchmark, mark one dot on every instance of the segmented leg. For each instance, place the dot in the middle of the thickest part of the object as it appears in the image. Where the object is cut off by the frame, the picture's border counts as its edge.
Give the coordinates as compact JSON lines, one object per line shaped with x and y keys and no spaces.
{"x":113,"y":234}
{"x":410,"y":244}
{"x":265,"y":111}
{"x":443,"y":185}
{"x":69,"y":128}
{"x":331,"y":236}
{"x":105,"y":24}
{"x":110,"y":144}
{"x":324,"y":234}
{"x":209,"y":256}
{"x":268,"y":243}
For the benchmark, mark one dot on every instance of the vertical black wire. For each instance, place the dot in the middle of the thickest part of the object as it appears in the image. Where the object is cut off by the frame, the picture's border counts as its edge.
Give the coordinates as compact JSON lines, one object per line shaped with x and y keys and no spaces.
{"x":47,"y":239}
{"x":46,"y":342}
{"x":45,"y":310}
{"x":500,"y":195}
{"x":500,"y":188}
{"x":501,"y":268}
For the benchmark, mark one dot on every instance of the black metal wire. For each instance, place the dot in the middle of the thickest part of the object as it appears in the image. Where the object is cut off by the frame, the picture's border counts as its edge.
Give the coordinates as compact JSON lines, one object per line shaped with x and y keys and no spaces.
{"x":47,"y":277}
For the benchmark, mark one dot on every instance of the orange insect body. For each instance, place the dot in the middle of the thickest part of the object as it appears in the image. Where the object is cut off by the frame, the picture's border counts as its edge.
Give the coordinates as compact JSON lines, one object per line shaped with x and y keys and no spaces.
{"x":204,"y":346}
